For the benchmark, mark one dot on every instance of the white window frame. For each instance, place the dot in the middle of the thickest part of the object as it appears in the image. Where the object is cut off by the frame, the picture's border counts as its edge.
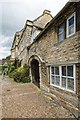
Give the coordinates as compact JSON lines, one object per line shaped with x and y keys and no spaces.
{"x":54,"y":75}
{"x":60,"y":71}
{"x":74,"y":14}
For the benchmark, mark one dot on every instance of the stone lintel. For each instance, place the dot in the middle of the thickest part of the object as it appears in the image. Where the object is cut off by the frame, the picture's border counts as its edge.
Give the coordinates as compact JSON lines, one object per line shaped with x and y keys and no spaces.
{"x":63,"y":63}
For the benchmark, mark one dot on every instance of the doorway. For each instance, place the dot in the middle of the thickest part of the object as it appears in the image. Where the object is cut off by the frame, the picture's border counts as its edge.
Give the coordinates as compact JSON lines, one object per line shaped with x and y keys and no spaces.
{"x":35,"y":72}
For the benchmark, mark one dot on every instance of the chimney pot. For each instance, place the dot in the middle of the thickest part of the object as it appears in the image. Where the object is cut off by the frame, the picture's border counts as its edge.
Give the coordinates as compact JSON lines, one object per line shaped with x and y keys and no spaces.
{"x":46,"y":12}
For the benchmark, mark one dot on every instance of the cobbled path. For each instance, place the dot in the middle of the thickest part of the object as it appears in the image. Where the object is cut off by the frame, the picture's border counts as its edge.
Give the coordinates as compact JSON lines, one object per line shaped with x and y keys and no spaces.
{"x":27,"y":101}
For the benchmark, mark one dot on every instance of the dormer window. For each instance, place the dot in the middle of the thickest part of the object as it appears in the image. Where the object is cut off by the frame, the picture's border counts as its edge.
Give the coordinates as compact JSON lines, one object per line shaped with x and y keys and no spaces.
{"x":33,"y":33}
{"x":71,"y":25}
{"x":33,"y":36}
{"x":61,"y":33}
{"x":12,"y":54}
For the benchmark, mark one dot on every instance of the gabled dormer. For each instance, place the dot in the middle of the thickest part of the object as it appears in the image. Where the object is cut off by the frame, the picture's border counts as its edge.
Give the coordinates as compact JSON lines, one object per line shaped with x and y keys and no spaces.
{"x":39,"y":23}
{"x":42,"y":20}
{"x":33,"y":28}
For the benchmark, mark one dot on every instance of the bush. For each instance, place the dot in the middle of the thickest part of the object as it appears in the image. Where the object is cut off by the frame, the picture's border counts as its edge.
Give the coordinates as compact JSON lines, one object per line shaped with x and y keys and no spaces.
{"x":0,"y":70}
{"x":21,"y":74}
{"x":26,"y":80}
{"x":11,"y":68}
{"x":17,"y":76}
{"x":12,"y":73}
{"x":26,"y":70}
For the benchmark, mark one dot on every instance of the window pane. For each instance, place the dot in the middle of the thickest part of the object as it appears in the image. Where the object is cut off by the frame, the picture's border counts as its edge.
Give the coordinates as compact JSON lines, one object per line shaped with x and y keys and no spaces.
{"x":61,"y":28}
{"x":61,"y":33}
{"x":70,"y":71}
{"x":33,"y":35}
{"x":53,"y":79}
{"x":71,"y":25}
{"x":56,"y":70}
{"x":71,"y":21}
{"x":61,"y":37}
{"x":70,"y":83}
{"x":63,"y":82}
{"x":52,"y":70}
{"x":13,"y":55}
{"x":57,"y":80}
{"x":71,"y":29}
{"x":63,"y":70}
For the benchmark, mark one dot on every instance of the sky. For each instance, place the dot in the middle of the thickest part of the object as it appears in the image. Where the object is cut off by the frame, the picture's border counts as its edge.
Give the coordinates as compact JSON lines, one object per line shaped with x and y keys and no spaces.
{"x":14,"y":14}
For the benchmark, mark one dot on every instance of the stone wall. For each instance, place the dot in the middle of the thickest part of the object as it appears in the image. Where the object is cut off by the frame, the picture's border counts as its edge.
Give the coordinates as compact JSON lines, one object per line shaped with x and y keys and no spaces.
{"x":22,"y":57}
{"x":53,"y":52}
{"x":50,"y":50}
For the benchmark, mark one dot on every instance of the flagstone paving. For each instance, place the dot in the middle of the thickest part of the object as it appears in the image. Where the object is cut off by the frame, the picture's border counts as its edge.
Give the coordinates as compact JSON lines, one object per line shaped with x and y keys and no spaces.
{"x":27,"y":101}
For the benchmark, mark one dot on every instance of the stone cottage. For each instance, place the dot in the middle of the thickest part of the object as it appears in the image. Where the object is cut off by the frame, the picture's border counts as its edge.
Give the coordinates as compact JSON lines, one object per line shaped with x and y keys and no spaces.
{"x":53,"y":55}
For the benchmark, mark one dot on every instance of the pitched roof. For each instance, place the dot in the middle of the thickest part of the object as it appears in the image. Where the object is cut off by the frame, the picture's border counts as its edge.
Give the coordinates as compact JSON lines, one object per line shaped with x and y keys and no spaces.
{"x":18,"y":33}
{"x":32,"y":23}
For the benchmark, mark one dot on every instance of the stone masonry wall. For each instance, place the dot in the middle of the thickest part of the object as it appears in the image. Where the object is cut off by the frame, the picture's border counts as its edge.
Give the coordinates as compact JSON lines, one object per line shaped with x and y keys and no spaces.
{"x":52,"y":52}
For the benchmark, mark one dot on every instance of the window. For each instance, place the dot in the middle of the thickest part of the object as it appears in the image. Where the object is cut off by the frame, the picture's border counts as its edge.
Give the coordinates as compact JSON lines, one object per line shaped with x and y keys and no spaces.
{"x":61,"y":33}
{"x":71,"y":25}
{"x":67,"y":77}
{"x":33,"y":36}
{"x":70,"y":71}
{"x":13,"y":54}
{"x":33,"y":33}
{"x":63,"y":77}
{"x":55,"y":75}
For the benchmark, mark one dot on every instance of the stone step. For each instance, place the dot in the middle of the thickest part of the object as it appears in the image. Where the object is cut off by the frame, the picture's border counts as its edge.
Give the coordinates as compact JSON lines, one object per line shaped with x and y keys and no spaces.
{"x":66,"y":104}
{"x":71,"y":100}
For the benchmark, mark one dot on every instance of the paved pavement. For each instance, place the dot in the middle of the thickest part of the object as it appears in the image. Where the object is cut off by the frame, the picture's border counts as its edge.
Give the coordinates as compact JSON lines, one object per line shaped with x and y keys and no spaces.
{"x":27,"y":101}
{"x":0,"y":97}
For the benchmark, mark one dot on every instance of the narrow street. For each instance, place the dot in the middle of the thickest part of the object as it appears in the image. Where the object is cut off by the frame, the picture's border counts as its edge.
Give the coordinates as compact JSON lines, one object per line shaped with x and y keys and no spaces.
{"x":28,"y":101}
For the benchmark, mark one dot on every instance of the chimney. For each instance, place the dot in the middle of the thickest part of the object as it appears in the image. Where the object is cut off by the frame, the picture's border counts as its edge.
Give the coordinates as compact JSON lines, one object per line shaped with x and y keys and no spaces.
{"x":46,"y":12}
{"x":29,"y":22}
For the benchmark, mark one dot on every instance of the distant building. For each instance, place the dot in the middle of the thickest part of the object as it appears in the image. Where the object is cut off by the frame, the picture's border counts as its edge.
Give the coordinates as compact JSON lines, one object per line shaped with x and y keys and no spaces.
{"x":5,"y":65}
